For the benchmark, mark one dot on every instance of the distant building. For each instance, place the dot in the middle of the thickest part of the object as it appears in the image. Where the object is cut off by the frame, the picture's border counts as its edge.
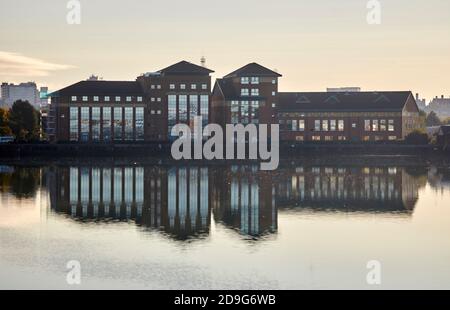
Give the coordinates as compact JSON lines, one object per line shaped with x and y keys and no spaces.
{"x":344,"y":90}
{"x":421,"y":103}
{"x":440,"y":106}
{"x":10,"y":93}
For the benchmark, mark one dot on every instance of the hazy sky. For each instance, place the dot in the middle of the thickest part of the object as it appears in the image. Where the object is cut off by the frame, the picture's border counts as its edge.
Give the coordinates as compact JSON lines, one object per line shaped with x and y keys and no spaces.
{"x":314,"y":44}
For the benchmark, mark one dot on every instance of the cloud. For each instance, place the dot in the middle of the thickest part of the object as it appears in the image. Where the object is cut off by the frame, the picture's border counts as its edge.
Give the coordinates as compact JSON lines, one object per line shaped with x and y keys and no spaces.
{"x":15,"y":64}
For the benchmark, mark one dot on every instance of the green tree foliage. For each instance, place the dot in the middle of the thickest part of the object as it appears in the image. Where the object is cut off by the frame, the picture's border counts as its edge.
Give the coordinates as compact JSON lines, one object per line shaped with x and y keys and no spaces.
{"x":24,"y":121}
{"x":417,"y":137}
{"x":433,"y":120}
{"x":4,"y":123}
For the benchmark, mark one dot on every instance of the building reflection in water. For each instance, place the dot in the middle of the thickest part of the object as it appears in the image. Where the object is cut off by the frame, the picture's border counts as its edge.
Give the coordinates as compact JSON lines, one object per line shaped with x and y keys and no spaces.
{"x":180,"y":200}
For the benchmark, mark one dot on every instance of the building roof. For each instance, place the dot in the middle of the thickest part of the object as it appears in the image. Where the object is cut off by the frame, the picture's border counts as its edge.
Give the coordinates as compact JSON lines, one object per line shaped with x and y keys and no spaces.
{"x":185,"y":68}
{"x":253,"y":69}
{"x":87,"y":88}
{"x":338,"y":102}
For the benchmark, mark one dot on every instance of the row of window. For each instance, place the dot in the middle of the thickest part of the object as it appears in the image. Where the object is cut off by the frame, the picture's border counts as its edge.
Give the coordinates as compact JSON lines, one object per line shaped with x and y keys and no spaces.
{"x":193,"y":86}
{"x":106,"y":124}
{"x":107,"y":98}
{"x":379,"y":125}
{"x":183,"y":108}
{"x":253,"y":80}
{"x":245,"y":112}
{"x":343,"y":138}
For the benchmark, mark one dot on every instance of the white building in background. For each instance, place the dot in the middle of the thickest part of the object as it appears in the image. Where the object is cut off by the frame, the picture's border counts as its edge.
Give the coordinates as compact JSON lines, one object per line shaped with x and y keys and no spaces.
{"x":343,"y":90}
{"x":440,"y":106}
{"x":10,"y":93}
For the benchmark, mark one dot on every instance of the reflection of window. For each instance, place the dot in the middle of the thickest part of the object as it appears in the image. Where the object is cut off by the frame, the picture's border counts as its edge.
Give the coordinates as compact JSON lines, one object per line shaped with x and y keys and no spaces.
{"x":74,"y":124}
{"x":325,"y":125}
{"x":106,"y":124}
{"x":367,"y":126}
{"x":316,"y":138}
{"x":118,"y":124}
{"x":383,"y":125}
{"x":317,"y":125}
{"x":341,"y":125}
{"x":129,"y":124}
{"x":294,"y":125}
{"x":301,"y":125}
{"x":333,"y":125}
{"x":95,"y":124}
{"x":139,"y":123}
{"x":375,"y":125}
{"x":391,"y":126}
{"x":84,"y":124}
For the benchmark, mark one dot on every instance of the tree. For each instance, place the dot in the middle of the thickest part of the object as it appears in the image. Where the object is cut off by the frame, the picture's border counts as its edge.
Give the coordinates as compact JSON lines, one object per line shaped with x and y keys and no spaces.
{"x":433,"y":120}
{"x":417,"y":137}
{"x":4,"y":123}
{"x":24,"y":121}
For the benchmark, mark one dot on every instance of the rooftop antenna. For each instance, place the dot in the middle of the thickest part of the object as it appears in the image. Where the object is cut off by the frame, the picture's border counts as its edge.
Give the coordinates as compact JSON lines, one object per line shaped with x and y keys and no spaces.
{"x":203,"y":61}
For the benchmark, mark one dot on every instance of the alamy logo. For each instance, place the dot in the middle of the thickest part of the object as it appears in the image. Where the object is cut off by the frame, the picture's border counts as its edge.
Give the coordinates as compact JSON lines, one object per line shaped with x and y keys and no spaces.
{"x":239,"y":136}
{"x":74,"y":15}
{"x":374,"y":14}
{"x":374,"y":274}
{"x":74,"y":275}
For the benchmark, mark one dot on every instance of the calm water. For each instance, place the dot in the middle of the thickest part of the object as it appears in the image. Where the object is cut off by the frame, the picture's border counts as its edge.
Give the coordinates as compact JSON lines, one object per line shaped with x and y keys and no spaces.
{"x":309,"y":225}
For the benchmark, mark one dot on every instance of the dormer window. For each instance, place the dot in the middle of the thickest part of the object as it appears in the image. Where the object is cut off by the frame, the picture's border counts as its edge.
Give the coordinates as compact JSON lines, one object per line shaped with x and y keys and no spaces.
{"x":244,"y":80}
{"x":255,"y":80}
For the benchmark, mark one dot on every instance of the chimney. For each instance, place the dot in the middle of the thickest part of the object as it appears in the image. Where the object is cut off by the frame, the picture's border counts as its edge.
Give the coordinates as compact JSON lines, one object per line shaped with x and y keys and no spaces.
{"x":417,"y":96}
{"x":442,"y":97}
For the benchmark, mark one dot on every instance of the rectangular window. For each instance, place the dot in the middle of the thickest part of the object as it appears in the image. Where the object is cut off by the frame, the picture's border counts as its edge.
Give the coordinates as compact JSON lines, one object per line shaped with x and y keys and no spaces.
{"x":328,"y":138}
{"x":383,"y":126}
{"x":255,"y":92}
{"x":294,"y":125}
{"x":139,"y":99}
{"x":139,"y":124}
{"x":333,"y":126}
{"x":244,"y":92}
{"x":325,"y":125}
{"x":129,"y":124}
{"x":128,"y":99}
{"x":375,"y":125}
{"x":341,"y":125}
{"x":106,"y":123}
{"x":392,"y":138}
{"x":172,"y":86}
{"x":118,"y":124}
{"x":244,"y":80}
{"x":73,"y":124}
{"x":107,"y":98}
{"x":193,"y":107}
{"x":317,"y":125}
{"x":234,"y":112}
{"x":74,"y":98}
{"x":255,"y":112}
{"x":367,"y":125}
{"x":84,"y":124}
{"x":118,"y":99}
{"x":204,"y":86}
{"x":85,"y":98}
{"x":193,"y":86}
{"x":183,"y":86}
{"x":182,"y":108}
{"x":301,"y":125}
{"x":316,"y":138}
{"x":96,"y":98}
{"x":158,"y":87}
{"x":204,"y":109}
{"x":244,"y":112}
{"x":172,"y":112}
{"x":255,"y":80}
{"x":95,"y":123}
{"x":391,"y":126}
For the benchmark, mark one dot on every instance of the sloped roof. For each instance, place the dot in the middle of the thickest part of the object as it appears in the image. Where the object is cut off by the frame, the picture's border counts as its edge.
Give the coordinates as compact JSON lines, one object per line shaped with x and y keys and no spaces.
{"x":184,"y":68}
{"x":227,"y":89}
{"x":253,"y":69}
{"x":336,"y":102}
{"x":87,"y":88}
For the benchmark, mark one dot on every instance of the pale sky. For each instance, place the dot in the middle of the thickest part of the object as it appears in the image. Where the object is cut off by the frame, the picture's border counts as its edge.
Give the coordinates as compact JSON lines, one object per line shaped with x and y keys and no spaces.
{"x":314,"y":44}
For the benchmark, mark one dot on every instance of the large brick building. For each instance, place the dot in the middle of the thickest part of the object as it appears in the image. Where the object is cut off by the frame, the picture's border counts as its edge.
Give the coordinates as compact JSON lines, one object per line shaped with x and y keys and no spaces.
{"x":145,"y":110}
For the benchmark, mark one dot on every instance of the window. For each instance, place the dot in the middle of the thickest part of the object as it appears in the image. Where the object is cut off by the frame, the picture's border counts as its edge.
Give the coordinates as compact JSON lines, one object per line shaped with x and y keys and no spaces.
{"x":139,"y":123}
{"x":317,"y":125}
{"x":316,"y":138}
{"x":158,"y":87}
{"x":95,"y":123}
{"x":152,"y":99}
{"x":234,"y":112}
{"x":274,"y":93}
{"x":183,"y":86}
{"x":159,"y":99}
{"x":172,"y":86}
{"x":301,"y":125}
{"x":118,"y":99}
{"x":367,"y":125}
{"x":255,"y":80}
{"x":129,"y":124}
{"x":204,"y":86}
{"x":383,"y":125}
{"x":74,"y":98}
{"x":366,"y":138}
{"x":106,"y":124}
{"x":244,"y":112}
{"x":341,"y":125}
{"x":342,"y":138}
{"x":152,"y":86}
{"x":73,"y":123}
{"x":392,"y":138}
{"x":158,"y":112}
{"x":204,"y":109}
{"x":244,"y":92}
{"x":139,"y":99}
{"x":255,"y":112}
{"x":391,"y":126}
{"x":328,"y":138}
{"x":107,"y":98}
{"x":300,"y":138}
{"x":193,"y":86}
{"x":128,"y":99}
{"x":353,"y":125}
{"x":193,"y":107}
{"x":375,"y":125}
{"x":118,"y":124}
{"x":172,"y":110}
{"x":274,"y":105}
{"x":84,"y":124}
{"x":96,"y":98}
{"x":274,"y":82}
{"x":182,"y":108}
{"x":325,"y":125}
{"x":255,"y":92}
{"x":244,"y":80}
{"x":294,"y":125}
{"x":333,"y":125}
{"x":85,"y":98}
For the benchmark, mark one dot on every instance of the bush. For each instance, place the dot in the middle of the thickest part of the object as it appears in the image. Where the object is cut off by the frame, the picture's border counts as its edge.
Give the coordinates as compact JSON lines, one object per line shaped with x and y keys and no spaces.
{"x":417,"y":137}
